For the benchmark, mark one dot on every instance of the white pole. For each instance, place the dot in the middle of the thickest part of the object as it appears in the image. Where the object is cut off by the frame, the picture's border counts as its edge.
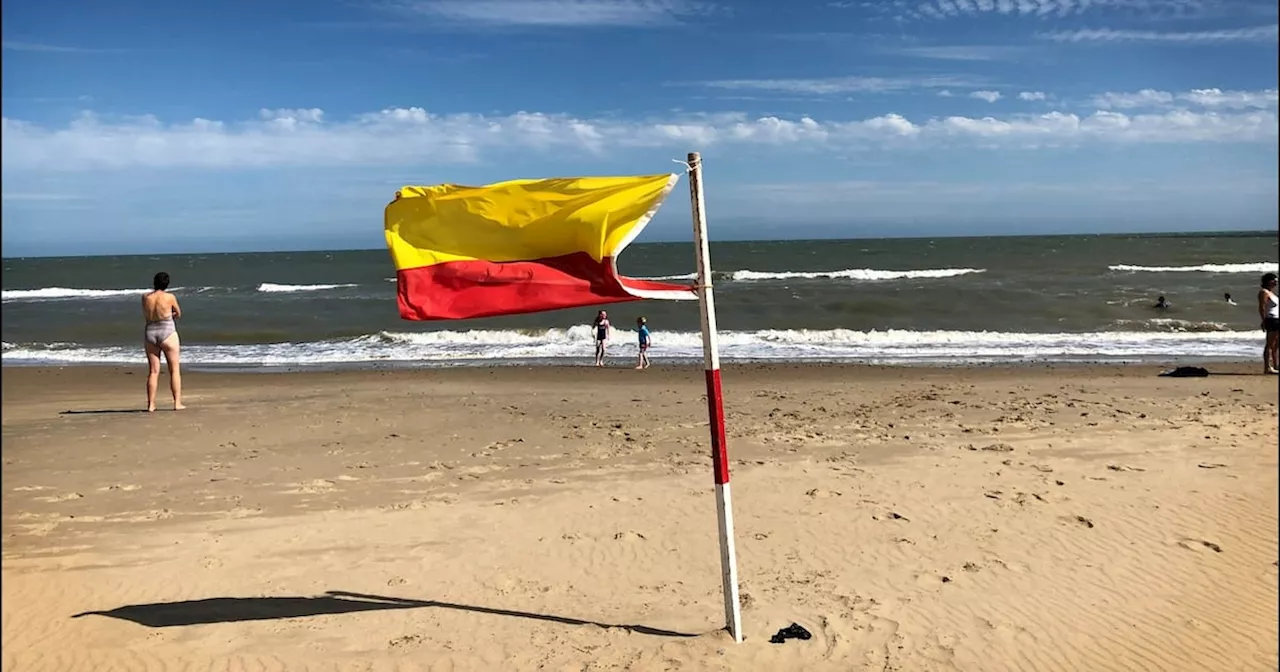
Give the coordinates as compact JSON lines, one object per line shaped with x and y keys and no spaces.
{"x":715,"y":404}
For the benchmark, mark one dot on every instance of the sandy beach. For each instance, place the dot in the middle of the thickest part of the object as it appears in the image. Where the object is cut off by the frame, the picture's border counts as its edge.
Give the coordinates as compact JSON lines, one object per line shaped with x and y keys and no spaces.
{"x":984,"y":519}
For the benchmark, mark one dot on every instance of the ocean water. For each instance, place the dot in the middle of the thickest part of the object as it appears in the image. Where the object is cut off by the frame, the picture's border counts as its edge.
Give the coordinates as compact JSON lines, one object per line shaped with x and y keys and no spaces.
{"x":949,"y":300}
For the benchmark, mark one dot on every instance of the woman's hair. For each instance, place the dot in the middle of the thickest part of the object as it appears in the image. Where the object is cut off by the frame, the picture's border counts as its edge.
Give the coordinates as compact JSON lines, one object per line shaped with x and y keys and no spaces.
{"x":161,"y":281}
{"x":640,"y":320}
{"x":1268,"y":278}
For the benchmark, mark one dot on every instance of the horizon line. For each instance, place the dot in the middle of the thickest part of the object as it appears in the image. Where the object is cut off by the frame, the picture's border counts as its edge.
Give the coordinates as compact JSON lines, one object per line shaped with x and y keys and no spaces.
{"x":1152,"y":234}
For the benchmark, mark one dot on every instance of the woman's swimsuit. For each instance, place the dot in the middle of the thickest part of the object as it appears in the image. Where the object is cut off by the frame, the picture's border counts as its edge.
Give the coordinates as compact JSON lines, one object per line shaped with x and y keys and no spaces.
{"x":156,"y":332}
{"x":602,"y":330}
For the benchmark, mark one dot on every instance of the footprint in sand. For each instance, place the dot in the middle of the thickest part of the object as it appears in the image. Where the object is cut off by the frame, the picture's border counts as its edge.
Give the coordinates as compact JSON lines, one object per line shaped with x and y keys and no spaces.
{"x":1199,"y":545}
{"x":61,"y":498}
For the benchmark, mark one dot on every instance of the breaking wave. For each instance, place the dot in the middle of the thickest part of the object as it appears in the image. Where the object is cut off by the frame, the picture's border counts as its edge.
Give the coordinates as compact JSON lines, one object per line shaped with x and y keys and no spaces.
{"x":574,"y":345}
{"x":273,"y":288}
{"x":1261,"y":267}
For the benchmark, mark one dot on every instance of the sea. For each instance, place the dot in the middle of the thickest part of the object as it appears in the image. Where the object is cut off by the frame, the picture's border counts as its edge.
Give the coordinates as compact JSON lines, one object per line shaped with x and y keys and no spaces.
{"x":944,"y":301}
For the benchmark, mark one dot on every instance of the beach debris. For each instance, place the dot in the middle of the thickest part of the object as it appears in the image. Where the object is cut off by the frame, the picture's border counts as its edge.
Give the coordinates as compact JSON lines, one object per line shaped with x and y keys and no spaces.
{"x":1211,"y":465}
{"x":1084,"y":521}
{"x":1042,"y":468}
{"x":946,"y":579}
{"x":793,"y":631}
{"x":1121,"y":467}
{"x":994,"y":494}
{"x":1211,"y":546}
{"x":998,"y":448}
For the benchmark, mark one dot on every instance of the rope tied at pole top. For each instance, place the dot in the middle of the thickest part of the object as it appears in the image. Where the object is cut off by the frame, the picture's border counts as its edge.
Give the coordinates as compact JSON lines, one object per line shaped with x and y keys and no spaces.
{"x":688,"y":167}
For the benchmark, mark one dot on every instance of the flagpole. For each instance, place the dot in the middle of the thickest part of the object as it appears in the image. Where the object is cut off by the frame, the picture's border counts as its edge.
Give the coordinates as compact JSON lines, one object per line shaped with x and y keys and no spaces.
{"x":715,"y":404}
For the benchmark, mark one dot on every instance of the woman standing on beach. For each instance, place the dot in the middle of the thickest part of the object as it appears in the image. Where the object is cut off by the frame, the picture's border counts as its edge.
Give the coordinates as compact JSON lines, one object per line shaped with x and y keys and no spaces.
{"x":160,"y":336}
{"x":601,"y":328}
{"x":1269,"y":311}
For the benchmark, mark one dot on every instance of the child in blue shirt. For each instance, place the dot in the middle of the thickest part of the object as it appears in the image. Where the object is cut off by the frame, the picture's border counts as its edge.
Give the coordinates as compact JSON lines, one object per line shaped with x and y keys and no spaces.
{"x":642,"y":329}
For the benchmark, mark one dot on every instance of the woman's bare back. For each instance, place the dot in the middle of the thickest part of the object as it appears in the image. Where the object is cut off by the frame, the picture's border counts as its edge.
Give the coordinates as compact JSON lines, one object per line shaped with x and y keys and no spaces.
{"x":159,"y":305}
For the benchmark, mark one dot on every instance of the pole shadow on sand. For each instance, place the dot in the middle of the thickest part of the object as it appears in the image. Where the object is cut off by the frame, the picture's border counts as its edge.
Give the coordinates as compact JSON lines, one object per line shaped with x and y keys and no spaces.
{"x":238,"y":609}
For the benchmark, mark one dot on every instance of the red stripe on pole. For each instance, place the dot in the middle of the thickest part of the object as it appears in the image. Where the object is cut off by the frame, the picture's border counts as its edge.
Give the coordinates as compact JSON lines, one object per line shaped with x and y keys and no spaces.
{"x":715,"y":409}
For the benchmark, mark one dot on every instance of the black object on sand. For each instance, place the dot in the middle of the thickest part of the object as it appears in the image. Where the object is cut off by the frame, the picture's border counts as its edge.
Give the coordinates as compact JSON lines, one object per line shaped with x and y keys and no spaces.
{"x":793,"y":631}
{"x":1187,"y":372}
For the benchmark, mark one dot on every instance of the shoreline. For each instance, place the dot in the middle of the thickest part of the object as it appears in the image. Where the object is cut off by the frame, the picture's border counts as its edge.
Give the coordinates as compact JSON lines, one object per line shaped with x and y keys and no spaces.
{"x":624,"y":362}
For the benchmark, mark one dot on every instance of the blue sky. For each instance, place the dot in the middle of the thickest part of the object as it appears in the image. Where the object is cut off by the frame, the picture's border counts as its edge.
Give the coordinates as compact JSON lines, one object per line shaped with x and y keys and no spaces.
{"x":161,"y":126}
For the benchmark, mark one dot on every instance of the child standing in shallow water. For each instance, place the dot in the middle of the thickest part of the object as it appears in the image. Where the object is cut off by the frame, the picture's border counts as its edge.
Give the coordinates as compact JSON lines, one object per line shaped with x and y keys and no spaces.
{"x":601,"y":328}
{"x":642,"y":329}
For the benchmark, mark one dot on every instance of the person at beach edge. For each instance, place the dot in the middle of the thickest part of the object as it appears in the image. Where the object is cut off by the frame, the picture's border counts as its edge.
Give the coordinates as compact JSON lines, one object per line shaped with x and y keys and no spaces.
{"x":601,"y":328}
{"x":642,"y":330}
{"x":160,"y":337}
{"x":1269,"y":311}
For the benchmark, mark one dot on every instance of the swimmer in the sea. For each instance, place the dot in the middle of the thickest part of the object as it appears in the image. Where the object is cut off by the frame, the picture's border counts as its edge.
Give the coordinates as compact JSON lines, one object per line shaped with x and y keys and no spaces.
{"x":1162,"y":304}
{"x":160,"y":337}
{"x":1230,"y":301}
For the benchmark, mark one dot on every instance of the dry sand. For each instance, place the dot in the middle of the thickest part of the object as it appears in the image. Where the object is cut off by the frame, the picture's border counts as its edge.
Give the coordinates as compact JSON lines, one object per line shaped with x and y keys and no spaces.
{"x":1080,"y":518}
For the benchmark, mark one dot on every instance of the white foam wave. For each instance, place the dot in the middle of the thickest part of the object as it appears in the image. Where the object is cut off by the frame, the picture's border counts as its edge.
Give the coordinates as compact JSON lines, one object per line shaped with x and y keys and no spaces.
{"x":574,"y":345}
{"x":1260,"y":267}
{"x":682,"y":276}
{"x":868,"y":274}
{"x":51,"y":293}
{"x":270,"y":287}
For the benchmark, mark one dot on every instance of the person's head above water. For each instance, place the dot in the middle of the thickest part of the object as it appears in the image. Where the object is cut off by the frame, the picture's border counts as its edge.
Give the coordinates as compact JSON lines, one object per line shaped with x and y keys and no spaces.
{"x":1269,"y":280}
{"x":1227,"y":296}
{"x":161,"y":281}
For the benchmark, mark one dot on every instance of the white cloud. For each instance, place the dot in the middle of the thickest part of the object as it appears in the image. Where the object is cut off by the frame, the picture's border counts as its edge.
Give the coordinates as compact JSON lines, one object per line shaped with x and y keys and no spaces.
{"x":959,"y":52}
{"x":414,"y":136}
{"x":939,"y":10}
{"x":1265,"y":99}
{"x":989,"y":96}
{"x":945,"y":93}
{"x":1032,"y":95}
{"x":312,"y":115}
{"x":1125,"y":101}
{"x":1212,"y":98}
{"x":835,"y":85}
{"x":555,"y":13}
{"x":1257,"y":34}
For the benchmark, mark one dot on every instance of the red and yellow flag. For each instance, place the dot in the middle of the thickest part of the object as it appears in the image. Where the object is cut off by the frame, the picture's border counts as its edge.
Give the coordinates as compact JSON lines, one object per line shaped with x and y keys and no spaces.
{"x":521,"y":246}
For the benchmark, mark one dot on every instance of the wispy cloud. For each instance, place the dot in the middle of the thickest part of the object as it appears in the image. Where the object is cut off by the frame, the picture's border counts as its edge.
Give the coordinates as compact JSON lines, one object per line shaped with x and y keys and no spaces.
{"x":37,"y":197}
{"x":14,"y":45}
{"x":989,"y":96}
{"x":1040,"y":9}
{"x":1257,"y":34}
{"x":958,"y":52}
{"x":836,"y":85}
{"x":1210,"y":98}
{"x":909,"y":190}
{"x":555,"y":13}
{"x":1032,"y":96}
{"x":415,"y":137}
